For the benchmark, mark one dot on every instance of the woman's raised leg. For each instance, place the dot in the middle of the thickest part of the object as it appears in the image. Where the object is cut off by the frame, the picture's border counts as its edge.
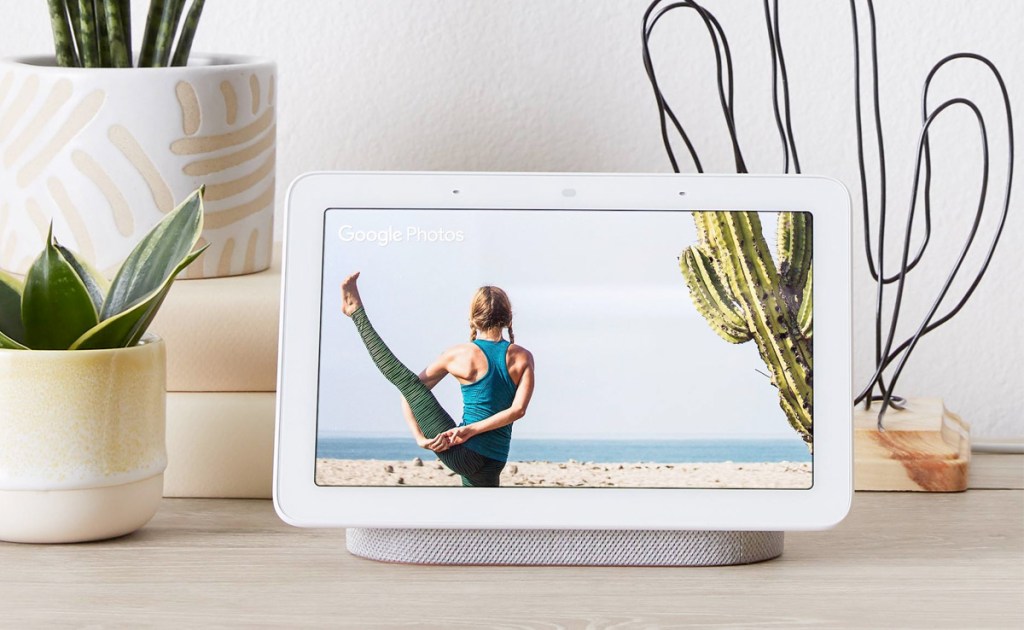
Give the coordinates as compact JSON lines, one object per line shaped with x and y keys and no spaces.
{"x":428,"y":412}
{"x":430,"y":415}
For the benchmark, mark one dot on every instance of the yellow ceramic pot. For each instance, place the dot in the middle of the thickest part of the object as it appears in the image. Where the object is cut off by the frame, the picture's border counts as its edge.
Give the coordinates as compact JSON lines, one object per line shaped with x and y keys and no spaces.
{"x":82,"y":450}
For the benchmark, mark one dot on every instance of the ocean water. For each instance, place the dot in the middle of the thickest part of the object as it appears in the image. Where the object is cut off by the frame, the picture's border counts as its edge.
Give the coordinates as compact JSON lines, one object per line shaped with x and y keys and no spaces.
{"x":601,"y":451}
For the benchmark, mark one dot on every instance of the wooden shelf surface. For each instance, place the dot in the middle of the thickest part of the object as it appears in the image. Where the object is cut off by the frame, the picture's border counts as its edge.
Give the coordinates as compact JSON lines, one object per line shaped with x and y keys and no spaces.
{"x":899,"y":560}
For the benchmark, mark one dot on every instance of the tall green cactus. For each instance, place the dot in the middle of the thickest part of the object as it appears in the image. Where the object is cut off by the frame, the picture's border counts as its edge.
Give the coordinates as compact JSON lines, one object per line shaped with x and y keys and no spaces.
{"x":744,"y":294}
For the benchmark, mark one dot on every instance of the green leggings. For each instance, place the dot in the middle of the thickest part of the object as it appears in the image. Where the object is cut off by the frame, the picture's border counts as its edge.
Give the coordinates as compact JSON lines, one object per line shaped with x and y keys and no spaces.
{"x":477,"y":470}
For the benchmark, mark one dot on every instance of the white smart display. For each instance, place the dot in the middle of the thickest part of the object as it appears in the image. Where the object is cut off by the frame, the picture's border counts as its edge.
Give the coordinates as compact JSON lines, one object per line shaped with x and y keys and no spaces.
{"x":565,"y":351}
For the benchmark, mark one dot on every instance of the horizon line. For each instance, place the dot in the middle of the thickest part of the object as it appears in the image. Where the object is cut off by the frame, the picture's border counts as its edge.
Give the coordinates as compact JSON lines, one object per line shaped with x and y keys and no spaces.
{"x":660,"y":436}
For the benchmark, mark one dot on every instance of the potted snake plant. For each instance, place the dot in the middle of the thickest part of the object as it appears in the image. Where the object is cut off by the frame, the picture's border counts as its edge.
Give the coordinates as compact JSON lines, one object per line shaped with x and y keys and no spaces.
{"x":82,"y":387}
{"x":106,"y":133}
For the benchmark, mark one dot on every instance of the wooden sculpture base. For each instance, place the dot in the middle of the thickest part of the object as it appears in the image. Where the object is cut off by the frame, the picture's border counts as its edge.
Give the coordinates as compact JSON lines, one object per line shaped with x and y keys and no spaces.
{"x":924,"y":448}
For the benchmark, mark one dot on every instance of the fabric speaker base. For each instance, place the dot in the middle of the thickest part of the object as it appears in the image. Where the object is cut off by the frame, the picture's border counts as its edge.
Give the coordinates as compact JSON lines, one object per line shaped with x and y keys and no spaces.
{"x":220,"y":445}
{"x":564,"y":547}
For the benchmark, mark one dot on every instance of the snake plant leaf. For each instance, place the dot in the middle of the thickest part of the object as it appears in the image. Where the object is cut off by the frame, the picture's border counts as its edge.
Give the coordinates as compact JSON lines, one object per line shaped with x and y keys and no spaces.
{"x":145,"y":321}
{"x":12,"y":332}
{"x":142,"y":283}
{"x":90,"y":38}
{"x":55,"y":306}
{"x":6,"y":343}
{"x":126,"y":328}
{"x":188,"y":33}
{"x":151,"y":264}
{"x":62,"y":39}
{"x":95,"y":283}
{"x":147,"y":52}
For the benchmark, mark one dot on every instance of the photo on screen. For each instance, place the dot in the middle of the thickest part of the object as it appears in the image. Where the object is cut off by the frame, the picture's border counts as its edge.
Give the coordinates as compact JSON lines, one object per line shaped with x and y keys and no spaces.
{"x":566,"y":348}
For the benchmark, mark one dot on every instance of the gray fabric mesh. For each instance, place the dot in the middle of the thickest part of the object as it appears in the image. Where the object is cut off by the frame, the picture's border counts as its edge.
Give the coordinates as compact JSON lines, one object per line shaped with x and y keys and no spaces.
{"x":564,"y":547}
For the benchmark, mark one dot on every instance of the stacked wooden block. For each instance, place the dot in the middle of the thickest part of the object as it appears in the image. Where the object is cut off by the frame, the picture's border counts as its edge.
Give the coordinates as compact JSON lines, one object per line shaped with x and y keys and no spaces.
{"x":924,"y":448}
{"x":221,"y":336}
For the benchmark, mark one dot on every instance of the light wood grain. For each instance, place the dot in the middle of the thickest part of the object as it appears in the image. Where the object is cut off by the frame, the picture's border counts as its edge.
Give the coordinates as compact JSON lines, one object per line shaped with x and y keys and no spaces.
{"x":900,"y":560}
{"x":997,"y":471}
{"x":925,"y":447}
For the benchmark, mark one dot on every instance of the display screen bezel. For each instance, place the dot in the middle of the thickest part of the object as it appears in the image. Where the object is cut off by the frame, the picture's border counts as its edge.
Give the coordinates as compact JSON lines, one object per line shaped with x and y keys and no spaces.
{"x":300,"y":501}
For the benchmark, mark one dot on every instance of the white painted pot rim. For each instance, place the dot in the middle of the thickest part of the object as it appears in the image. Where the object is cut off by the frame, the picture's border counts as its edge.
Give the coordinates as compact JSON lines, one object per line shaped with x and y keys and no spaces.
{"x":198,"y":63}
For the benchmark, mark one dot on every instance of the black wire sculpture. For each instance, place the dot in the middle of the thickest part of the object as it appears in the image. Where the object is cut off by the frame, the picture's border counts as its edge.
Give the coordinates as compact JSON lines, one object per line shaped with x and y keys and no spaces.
{"x":887,"y":351}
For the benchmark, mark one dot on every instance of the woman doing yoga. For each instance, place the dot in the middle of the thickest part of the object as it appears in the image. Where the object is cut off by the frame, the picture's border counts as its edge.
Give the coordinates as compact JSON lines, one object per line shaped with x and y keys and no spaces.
{"x":496,"y":378}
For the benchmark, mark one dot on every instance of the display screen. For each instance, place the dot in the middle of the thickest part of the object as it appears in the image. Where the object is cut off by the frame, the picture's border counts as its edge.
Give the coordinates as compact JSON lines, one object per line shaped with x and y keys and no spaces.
{"x":565,"y":349}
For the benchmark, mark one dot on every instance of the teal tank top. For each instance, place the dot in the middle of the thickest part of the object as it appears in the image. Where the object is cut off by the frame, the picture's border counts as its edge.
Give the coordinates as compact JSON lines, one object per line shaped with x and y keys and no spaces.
{"x":486,"y":397}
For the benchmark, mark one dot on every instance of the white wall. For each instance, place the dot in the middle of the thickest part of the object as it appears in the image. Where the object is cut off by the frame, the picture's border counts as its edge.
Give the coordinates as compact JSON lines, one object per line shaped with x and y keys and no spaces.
{"x":536,"y":85}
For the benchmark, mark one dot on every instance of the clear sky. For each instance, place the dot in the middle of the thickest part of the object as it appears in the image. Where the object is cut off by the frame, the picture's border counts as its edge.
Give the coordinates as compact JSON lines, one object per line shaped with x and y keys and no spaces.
{"x":598,"y":299}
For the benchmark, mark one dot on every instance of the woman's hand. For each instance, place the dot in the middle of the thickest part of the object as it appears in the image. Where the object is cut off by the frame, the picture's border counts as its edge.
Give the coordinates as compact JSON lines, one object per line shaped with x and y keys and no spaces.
{"x":446,"y":440}
{"x":458,"y":435}
{"x":437,"y":444}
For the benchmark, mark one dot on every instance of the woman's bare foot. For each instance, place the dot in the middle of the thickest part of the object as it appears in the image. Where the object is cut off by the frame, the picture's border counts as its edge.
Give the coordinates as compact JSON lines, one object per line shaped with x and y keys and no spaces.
{"x":350,"y":295}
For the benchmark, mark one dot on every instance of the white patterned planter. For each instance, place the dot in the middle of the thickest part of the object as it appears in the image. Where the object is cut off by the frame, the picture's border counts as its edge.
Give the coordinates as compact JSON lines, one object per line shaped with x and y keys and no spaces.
{"x":82,"y":446}
{"x":105,"y":152}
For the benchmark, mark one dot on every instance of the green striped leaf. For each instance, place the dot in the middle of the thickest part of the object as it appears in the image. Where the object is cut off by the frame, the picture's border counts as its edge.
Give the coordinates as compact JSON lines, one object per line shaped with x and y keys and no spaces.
{"x":126,"y":328}
{"x":114,"y":27}
{"x":142,"y":283}
{"x":55,"y":306}
{"x":12,"y":332}
{"x":94,"y":282}
{"x":63,"y":42}
{"x":87,"y":29}
{"x":147,"y":53}
{"x":153,"y":260}
{"x":6,"y":343}
{"x":188,"y":33}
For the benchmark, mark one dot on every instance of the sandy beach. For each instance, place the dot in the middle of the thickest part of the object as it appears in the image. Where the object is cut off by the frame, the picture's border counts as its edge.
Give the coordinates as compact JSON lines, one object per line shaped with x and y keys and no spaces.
{"x":572,"y":474}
